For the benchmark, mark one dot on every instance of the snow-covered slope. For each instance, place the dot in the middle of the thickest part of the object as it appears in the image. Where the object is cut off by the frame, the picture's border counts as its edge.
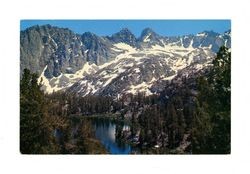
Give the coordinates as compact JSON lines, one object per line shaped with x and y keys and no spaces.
{"x":137,"y":70}
{"x":141,"y":65}
{"x":65,"y":80}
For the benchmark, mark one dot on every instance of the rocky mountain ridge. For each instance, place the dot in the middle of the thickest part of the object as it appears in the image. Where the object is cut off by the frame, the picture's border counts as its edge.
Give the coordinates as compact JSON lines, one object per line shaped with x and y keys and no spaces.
{"x":117,"y":64}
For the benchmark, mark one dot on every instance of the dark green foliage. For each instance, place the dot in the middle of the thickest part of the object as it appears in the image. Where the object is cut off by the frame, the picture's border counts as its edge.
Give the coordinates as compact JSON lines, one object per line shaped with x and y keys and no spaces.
{"x":35,"y":130}
{"x":45,"y":127}
{"x":211,"y":126}
{"x":201,"y":130}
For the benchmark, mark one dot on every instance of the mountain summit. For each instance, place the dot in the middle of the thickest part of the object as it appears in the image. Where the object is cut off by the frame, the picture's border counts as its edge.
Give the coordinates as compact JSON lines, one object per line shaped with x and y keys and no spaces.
{"x":148,"y":34}
{"x":125,"y":36}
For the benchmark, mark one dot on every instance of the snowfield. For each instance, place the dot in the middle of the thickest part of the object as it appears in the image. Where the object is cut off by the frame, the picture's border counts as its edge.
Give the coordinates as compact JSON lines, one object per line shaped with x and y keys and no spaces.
{"x":131,"y":61}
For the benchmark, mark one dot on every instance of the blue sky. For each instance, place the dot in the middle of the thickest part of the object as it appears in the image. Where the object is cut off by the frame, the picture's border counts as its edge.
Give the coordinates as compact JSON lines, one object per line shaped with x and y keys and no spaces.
{"x":109,"y":27}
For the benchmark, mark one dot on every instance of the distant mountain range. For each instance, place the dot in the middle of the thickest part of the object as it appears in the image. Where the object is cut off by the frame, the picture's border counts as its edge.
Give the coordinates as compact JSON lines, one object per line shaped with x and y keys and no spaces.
{"x":117,"y":64}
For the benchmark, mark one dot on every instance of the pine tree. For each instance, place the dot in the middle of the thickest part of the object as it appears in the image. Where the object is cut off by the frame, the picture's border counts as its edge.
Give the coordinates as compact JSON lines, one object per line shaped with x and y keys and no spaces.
{"x":201,"y":129}
{"x":212,"y":122}
{"x":172,"y":122}
{"x":221,"y":83}
{"x":35,"y":130}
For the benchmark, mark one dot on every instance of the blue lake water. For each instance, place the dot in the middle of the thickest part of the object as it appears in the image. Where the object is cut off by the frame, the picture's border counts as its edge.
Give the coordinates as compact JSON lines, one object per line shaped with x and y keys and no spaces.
{"x":105,"y":131}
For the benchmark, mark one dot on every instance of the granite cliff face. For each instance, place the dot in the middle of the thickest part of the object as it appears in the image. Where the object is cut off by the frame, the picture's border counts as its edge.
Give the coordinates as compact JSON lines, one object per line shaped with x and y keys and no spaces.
{"x":61,"y":50}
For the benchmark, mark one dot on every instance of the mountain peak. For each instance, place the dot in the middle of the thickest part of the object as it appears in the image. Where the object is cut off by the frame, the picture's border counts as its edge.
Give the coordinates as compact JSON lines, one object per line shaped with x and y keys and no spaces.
{"x":148,"y":35}
{"x":89,"y":35}
{"x":124,"y":35}
{"x":211,"y":33}
{"x":147,"y":31}
{"x":125,"y":30}
{"x":228,"y":32}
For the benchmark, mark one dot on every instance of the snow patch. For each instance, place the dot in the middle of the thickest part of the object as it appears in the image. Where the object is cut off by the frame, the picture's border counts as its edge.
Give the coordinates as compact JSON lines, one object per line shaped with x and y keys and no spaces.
{"x":110,"y":78}
{"x":46,"y":84}
{"x":136,"y":70}
{"x":72,"y":78}
{"x":169,"y":77}
{"x":91,"y":88}
{"x":121,"y":70}
{"x":123,"y":46}
{"x":198,"y":67}
{"x":201,"y":34}
{"x":143,"y":87}
{"x":191,"y":44}
{"x":179,"y":64}
{"x":181,"y":42}
{"x":146,"y":39}
{"x":87,"y":68}
{"x":225,"y":44}
{"x":129,"y":65}
{"x":169,"y":49}
{"x":190,"y":58}
{"x":53,"y":41}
